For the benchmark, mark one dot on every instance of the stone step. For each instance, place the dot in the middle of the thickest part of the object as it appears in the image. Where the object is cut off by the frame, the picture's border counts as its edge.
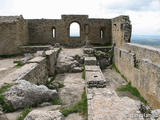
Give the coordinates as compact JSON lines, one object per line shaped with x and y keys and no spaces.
{"x":90,"y":61}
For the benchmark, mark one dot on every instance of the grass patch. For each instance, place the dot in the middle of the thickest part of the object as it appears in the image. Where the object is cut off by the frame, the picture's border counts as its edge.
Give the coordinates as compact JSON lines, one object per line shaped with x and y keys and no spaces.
{"x":81,"y":107}
{"x":59,"y":50}
{"x":116,"y":69}
{"x":24,"y":114}
{"x":111,"y":54}
{"x":4,"y":88}
{"x":56,"y":101}
{"x":50,"y":84}
{"x":19,"y":63}
{"x":6,"y":107}
{"x":57,"y":54}
{"x":133,"y":91}
{"x":52,"y":79}
{"x":84,"y":73}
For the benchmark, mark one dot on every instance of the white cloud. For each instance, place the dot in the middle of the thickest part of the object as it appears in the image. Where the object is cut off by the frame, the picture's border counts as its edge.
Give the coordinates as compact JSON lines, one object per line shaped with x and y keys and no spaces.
{"x":144,"y":14}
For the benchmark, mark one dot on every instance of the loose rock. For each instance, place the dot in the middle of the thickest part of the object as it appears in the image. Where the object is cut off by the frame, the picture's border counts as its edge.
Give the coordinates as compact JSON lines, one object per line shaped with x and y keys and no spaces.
{"x":44,"y":115}
{"x":25,"y":94}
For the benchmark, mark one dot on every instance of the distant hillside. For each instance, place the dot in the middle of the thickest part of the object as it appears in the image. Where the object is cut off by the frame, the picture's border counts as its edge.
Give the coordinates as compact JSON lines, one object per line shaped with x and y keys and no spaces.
{"x":151,"y":40}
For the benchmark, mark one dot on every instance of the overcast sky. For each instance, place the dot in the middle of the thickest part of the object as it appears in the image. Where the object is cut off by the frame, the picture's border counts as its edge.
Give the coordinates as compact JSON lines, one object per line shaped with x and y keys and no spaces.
{"x":144,"y":14}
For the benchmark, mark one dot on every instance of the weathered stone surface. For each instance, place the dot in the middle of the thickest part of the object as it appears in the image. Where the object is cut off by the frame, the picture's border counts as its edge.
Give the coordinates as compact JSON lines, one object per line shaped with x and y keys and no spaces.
{"x":95,"y":79}
{"x":68,"y":60}
{"x":90,"y":61}
{"x":16,"y":114}
{"x":44,"y":115}
{"x":89,"y":30}
{"x":88,"y":50}
{"x":35,"y":71}
{"x":92,"y":68}
{"x":104,"y":58}
{"x":51,"y":56}
{"x":121,"y":30}
{"x":73,"y":88}
{"x":104,"y":104}
{"x":74,"y":116}
{"x":57,"y":45}
{"x":144,"y":74}
{"x":37,"y":59}
{"x":33,"y":49}
{"x":14,"y":33}
{"x":3,"y":117}
{"x":25,"y":94}
{"x":40,"y":53}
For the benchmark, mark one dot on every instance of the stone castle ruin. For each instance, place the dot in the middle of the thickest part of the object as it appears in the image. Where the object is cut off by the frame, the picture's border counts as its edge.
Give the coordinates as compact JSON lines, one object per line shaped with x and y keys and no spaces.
{"x":40,"y":63}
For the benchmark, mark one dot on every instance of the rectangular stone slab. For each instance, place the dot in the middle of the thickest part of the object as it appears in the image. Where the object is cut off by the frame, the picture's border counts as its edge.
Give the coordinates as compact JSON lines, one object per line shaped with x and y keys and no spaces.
{"x":90,"y":61}
{"x":92,"y":68}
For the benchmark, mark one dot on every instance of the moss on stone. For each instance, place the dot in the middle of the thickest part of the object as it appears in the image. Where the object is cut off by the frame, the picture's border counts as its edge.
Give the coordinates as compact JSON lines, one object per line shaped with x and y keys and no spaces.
{"x":6,"y":107}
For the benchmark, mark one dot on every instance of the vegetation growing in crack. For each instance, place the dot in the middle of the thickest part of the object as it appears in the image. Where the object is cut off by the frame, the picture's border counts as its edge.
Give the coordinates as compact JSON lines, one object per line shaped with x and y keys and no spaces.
{"x":116,"y":69}
{"x":24,"y":114}
{"x":129,"y":87}
{"x":56,"y":101}
{"x":91,"y":55}
{"x":59,"y":50}
{"x":19,"y":63}
{"x":54,"y":84}
{"x":6,"y":107}
{"x":84,"y":73}
{"x":81,"y":107}
{"x":133,"y":91}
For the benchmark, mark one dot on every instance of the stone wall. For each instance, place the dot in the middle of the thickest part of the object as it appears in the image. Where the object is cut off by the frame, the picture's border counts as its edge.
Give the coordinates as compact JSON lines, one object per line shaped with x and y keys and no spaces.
{"x":141,"y":69}
{"x":138,"y":63}
{"x":142,"y":51}
{"x":121,"y":30}
{"x":13,"y":33}
{"x":40,"y":30}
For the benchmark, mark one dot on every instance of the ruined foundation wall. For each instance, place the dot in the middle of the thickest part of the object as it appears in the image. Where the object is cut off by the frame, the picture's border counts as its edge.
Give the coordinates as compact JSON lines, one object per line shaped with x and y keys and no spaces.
{"x":13,"y":33}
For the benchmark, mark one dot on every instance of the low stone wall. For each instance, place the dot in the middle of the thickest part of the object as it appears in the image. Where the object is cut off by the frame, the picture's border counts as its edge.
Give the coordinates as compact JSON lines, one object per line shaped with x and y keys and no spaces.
{"x":142,"y":51}
{"x":141,"y":70}
{"x":34,"y":71}
{"x":37,"y":69}
{"x":33,"y":49}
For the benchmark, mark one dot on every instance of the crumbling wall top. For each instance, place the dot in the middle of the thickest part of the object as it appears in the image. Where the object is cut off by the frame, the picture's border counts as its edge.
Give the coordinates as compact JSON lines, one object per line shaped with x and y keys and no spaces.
{"x":9,"y":19}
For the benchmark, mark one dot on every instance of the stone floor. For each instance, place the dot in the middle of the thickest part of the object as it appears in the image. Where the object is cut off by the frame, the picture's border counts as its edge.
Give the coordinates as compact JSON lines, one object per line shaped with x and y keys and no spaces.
{"x":71,"y":92}
{"x":105,"y":104}
{"x":73,"y":87}
{"x":66,"y":62}
{"x":7,"y":66}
